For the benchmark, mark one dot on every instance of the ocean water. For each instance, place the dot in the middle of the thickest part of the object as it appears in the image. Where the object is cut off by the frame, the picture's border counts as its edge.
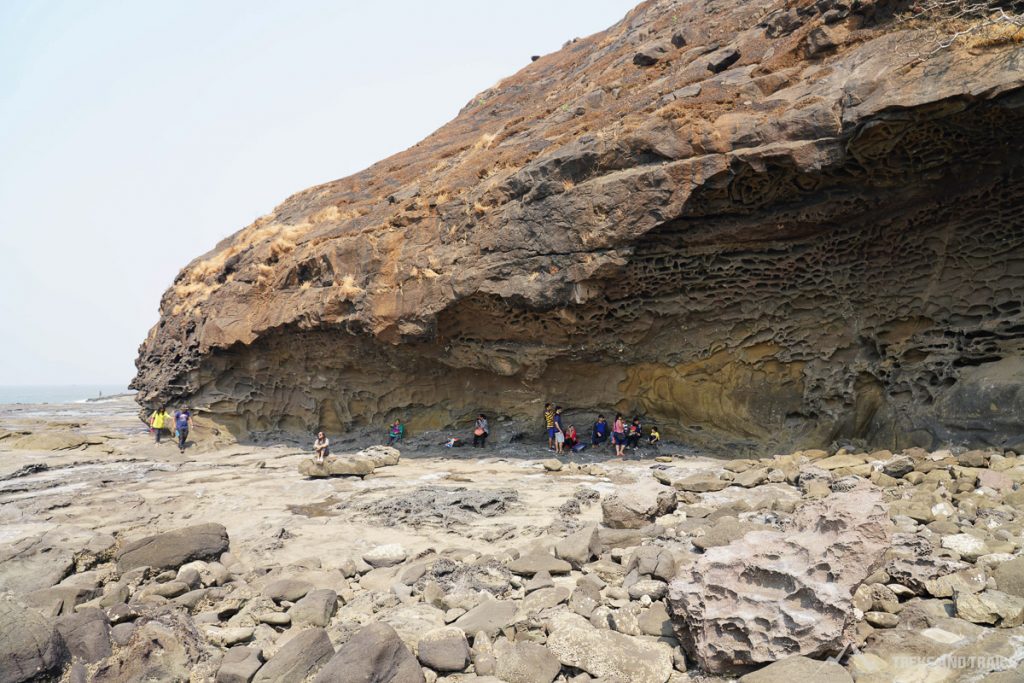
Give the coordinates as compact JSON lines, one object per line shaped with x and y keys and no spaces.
{"x":69,"y":393}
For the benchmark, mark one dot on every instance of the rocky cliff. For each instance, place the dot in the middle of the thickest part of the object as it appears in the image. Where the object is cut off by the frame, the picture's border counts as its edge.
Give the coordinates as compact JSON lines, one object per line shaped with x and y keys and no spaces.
{"x":762,"y":224}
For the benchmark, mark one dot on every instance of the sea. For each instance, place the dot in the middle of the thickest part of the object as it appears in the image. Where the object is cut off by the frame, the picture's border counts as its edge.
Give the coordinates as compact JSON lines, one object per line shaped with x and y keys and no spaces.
{"x":57,"y":393}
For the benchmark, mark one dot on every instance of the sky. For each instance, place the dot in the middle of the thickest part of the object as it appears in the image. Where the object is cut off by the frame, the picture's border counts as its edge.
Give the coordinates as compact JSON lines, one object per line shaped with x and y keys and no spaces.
{"x":136,"y":135}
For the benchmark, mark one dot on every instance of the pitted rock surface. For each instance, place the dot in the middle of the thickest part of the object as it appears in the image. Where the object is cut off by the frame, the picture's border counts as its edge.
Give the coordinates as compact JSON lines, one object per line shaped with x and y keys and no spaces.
{"x":771,"y":231}
{"x":771,"y":594}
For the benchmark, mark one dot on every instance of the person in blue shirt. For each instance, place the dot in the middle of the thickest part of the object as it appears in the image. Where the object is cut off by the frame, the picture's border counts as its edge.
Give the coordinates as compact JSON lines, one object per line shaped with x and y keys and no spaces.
{"x":599,"y":434}
{"x":182,"y":425}
{"x":559,"y":432}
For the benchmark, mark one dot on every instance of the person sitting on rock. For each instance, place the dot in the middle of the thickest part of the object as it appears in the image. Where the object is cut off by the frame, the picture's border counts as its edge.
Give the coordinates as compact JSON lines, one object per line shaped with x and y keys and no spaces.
{"x":599,"y":434}
{"x":570,"y":437}
{"x":322,"y":446}
{"x":480,"y":432}
{"x":654,"y":437}
{"x":396,"y":433}
{"x":634,"y":433}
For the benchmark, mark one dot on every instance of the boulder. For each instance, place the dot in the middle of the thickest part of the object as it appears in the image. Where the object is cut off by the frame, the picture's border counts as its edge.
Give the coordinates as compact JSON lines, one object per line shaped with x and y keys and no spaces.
{"x":552,"y":465}
{"x":1009,"y":576}
{"x":991,"y":607}
{"x":653,"y":561}
{"x":579,"y":548}
{"x":375,"y":654}
{"x":30,"y":645}
{"x":969,"y":547}
{"x":772,"y":594}
{"x":172,"y":549}
{"x":86,"y":633}
{"x":315,"y":608}
{"x":798,"y":668}
{"x":634,"y":507}
{"x":542,"y":599}
{"x":525,"y":662}
{"x":607,"y":654}
{"x":490,"y":616}
{"x":444,"y":649}
{"x":385,"y":555}
{"x":239,"y":665}
{"x":381,"y":456}
{"x":702,"y":482}
{"x":298,"y":658}
{"x":353,"y":466}
{"x":652,"y":53}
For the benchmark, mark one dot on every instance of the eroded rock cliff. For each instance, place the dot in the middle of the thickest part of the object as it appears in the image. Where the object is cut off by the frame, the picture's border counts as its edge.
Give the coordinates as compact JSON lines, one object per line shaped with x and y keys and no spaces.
{"x":762,"y":224}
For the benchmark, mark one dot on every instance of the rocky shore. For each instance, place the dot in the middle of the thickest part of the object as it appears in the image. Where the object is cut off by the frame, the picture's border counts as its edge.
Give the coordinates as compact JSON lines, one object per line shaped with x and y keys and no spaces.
{"x":124,"y":560}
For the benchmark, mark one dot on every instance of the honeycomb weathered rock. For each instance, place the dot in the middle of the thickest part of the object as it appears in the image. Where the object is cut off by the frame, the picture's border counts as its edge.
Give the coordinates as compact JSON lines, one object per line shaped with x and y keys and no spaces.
{"x":794,"y":250}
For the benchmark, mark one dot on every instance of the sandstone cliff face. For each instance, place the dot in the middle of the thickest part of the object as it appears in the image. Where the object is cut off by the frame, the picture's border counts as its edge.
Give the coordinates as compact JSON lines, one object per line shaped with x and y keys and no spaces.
{"x":765,"y":224}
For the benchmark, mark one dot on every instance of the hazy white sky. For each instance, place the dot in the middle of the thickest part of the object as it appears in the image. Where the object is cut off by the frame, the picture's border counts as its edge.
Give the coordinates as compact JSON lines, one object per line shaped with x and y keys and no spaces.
{"x":135,"y":135}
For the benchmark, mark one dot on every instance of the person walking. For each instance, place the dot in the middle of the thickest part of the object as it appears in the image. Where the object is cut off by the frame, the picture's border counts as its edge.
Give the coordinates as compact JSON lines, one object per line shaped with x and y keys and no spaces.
{"x":549,"y":425}
{"x":619,"y":436}
{"x":559,"y":432}
{"x":159,"y":421}
{"x":182,"y":426}
{"x":481,"y":431}
{"x":322,"y":447}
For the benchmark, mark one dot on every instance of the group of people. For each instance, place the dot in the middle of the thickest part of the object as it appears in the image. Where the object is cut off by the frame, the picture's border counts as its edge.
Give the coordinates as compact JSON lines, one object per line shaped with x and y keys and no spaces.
{"x":161,"y":421}
{"x":622,"y":435}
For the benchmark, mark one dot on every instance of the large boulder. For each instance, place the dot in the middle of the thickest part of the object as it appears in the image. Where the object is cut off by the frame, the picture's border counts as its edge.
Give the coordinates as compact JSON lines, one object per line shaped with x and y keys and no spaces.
{"x":634,"y":507}
{"x":375,"y":654}
{"x":525,"y":662}
{"x":772,"y":594}
{"x":30,"y":645}
{"x":607,"y":654}
{"x":381,"y":456}
{"x":298,"y":658}
{"x":172,"y":549}
{"x":86,"y":633}
{"x":351,"y":466}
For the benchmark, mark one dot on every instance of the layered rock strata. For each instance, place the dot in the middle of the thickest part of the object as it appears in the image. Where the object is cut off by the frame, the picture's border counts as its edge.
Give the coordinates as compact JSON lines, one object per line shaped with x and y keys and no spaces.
{"x":758,"y":224}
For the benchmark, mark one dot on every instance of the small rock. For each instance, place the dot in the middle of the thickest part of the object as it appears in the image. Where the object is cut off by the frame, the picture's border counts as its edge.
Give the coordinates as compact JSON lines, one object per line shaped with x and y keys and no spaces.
{"x":882,"y":619}
{"x":239,"y":665}
{"x":528,"y":565}
{"x":315,"y":608}
{"x":385,"y":556}
{"x":298,"y":658}
{"x":444,"y":649}
{"x":525,"y":662}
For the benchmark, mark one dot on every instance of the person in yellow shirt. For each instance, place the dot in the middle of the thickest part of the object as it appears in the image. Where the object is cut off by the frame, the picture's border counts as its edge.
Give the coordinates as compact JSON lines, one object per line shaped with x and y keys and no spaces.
{"x":159,"y":421}
{"x":549,"y":425}
{"x":655,"y":436}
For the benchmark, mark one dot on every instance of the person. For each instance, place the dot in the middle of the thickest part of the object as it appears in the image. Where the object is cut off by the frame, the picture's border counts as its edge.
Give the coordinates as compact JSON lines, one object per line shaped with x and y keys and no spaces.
{"x":619,"y":436}
{"x":599,"y":433}
{"x":481,"y":431}
{"x":654,"y":437}
{"x":549,"y":424}
{"x":182,"y":425}
{"x":159,"y":421}
{"x":570,"y":438}
{"x":634,"y":433}
{"x":396,"y":432}
{"x":559,"y":432}
{"x":322,"y":446}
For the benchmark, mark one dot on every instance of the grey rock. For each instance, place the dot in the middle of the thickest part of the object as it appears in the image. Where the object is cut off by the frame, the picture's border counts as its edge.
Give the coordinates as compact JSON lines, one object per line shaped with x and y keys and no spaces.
{"x":608,"y":654}
{"x":375,"y":654}
{"x":721,"y":59}
{"x":239,"y":665}
{"x":525,"y":662}
{"x":287,"y":589}
{"x":86,"y":633}
{"x":30,"y":645}
{"x":799,"y":668}
{"x":315,"y":608}
{"x":298,"y":658}
{"x":490,"y":616}
{"x":653,"y":561}
{"x":122,"y":633}
{"x":635,"y":507}
{"x":579,"y":548}
{"x":172,"y":549}
{"x":444,"y":649}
